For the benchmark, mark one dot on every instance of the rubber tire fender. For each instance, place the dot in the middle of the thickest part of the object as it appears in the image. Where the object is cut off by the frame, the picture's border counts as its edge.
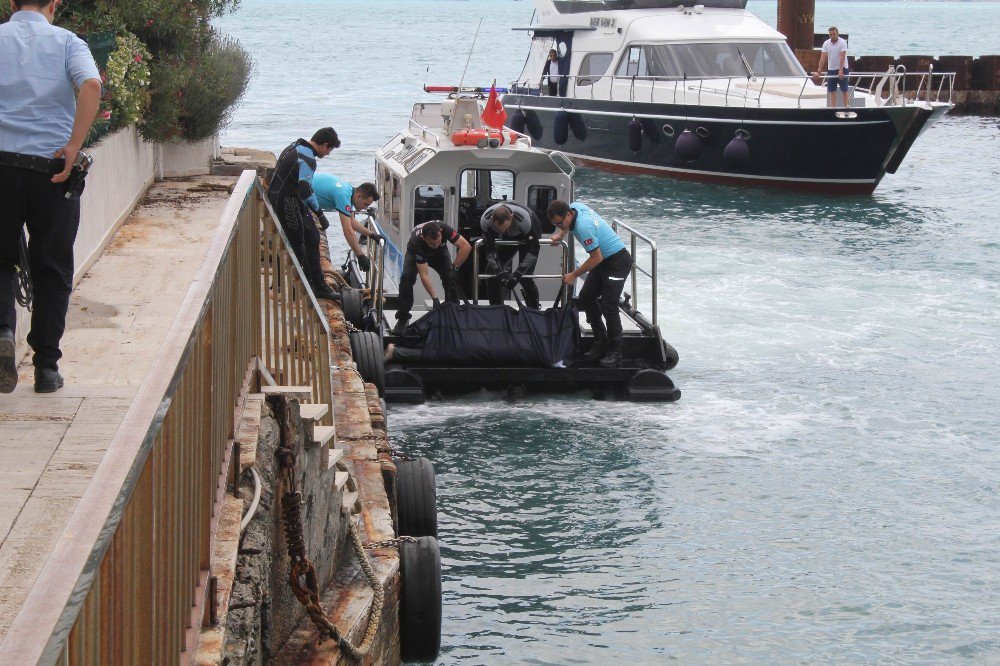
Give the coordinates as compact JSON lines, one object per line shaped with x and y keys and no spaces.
{"x":416,"y":498}
{"x":366,"y":348}
{"x":353,"y":306}
{"x":420,"y":600}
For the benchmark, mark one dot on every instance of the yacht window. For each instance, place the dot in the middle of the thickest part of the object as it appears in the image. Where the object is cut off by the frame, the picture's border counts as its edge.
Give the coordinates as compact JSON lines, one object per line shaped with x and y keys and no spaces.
{"x":593,"y":67}
{"x":384,"y":179}
{"x":428,"y":203}
{"x":696,"y":61}
{"x":539,"y":197}
{"x":633,"y":62}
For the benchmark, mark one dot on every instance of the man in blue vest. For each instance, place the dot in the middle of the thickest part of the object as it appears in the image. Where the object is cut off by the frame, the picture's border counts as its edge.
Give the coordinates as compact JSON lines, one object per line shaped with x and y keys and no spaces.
{"x":43,"y":124}
{"x":339,"y":195}
{"x":608,"y":264}
{"x":291,"y":195}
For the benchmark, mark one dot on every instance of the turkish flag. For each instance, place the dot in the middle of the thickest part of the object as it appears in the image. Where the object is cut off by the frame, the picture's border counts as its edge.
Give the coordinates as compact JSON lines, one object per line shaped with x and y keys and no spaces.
{"x":494,"y":114}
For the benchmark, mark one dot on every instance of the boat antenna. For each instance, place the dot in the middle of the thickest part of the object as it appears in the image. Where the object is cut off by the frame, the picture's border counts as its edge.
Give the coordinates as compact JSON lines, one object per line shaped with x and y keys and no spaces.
{"x":470,"y":53}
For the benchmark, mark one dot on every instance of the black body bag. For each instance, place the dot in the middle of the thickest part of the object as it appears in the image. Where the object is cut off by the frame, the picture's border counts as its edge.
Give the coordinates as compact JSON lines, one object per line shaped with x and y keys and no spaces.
{"x":491,"y":335}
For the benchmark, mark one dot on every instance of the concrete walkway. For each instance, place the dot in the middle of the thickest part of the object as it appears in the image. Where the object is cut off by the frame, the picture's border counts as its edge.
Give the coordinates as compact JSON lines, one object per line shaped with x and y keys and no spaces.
{"x":119,"y":315}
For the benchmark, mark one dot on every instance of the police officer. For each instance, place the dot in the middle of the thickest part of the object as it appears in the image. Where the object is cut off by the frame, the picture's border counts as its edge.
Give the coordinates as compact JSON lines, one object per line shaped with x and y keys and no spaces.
{"x":428,"y":246}
{"x":42,"y":128}
{"x":510,"y":222}
{"x":292,"y":197}
{"x":336,"y":194}
{"x":608,"y":264}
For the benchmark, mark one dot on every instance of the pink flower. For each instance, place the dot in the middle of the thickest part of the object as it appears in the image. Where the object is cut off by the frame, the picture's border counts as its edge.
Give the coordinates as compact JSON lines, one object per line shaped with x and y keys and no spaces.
{"x":106,"y":115}
{"x":149,"y":22}
{"x":138,"y":58}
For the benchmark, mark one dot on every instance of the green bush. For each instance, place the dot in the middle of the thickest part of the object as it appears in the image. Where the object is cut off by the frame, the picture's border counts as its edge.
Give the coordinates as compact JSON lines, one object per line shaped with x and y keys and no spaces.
{"x":195,"y":77}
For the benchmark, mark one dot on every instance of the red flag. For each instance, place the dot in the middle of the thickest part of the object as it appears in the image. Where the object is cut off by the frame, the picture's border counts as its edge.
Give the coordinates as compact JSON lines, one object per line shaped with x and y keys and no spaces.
{"x":494,"y":114}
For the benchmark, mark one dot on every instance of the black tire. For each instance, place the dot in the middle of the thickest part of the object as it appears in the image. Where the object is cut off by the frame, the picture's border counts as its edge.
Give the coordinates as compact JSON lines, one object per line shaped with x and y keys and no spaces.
{"x":353,"y":306}
{"x":366,"y":348}
{"x":416,"y":498}
{"x":420,"y":600}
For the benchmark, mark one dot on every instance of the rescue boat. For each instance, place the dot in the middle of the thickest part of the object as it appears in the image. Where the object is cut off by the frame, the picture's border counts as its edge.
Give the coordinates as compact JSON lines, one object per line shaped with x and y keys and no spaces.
{"x":449,"y":165}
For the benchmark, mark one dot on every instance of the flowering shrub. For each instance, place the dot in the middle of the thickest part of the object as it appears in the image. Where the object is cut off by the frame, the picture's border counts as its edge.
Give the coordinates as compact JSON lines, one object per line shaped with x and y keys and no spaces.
{"x":186,"y":79}
{"x":126,"y":81}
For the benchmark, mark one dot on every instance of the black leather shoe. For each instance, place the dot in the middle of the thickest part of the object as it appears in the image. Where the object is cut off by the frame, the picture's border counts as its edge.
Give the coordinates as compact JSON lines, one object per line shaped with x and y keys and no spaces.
{"x":596,"y":350}
{"x":325,"y":292}
{"x":400,"y":326}
{"x":8,"y":364}
{"x":47,"y":380}
{"x":613,"y":358}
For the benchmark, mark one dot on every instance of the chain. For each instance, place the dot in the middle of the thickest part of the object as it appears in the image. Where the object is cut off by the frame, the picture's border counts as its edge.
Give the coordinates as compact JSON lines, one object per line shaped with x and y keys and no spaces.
{"x":385,"y":448}
{"x":302,"y":574}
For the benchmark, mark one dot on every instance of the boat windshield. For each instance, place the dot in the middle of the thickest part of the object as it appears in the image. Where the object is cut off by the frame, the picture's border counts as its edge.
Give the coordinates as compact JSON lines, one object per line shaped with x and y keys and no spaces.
{"x":698,"y":61}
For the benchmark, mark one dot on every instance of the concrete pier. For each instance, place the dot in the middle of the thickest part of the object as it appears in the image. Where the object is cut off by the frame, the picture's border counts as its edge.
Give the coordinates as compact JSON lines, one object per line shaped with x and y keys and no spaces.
{"x":118,"y":318}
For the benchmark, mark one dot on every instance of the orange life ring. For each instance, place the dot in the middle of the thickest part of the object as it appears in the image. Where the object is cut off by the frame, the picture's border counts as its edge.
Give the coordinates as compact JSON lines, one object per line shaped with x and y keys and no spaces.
{"x":472,"y":137}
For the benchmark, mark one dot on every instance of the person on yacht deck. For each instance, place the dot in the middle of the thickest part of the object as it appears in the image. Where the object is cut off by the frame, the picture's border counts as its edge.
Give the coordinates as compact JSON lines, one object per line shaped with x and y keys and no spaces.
{"x":833,"y":60}
{"x":339,"y":195}
{"x":552,"y":70}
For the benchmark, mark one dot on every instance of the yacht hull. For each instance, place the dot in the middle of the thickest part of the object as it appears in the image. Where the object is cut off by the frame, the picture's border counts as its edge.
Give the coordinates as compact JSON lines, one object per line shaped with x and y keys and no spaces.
{"x":832,"y":151}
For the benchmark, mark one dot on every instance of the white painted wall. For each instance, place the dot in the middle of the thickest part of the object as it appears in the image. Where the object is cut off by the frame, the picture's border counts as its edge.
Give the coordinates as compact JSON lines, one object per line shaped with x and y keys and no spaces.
{"x":124,"y":167}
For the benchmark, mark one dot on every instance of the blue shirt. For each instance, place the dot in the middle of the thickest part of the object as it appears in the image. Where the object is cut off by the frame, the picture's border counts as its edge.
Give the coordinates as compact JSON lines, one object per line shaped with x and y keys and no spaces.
{"x":39,"y":66}
{"x":334,"y":193}
{"x":592,"y":232}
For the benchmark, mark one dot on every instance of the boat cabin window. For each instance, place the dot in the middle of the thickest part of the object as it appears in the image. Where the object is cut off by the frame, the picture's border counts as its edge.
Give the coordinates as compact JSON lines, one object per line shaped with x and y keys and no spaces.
{"x":593,"y":67}
{"x":480,"y":189}
{"x":539,"y":197}
{"x":428,"y":203}
{"x":696,"y":61}
{"x":633,"y":62}
{"x":395,"y":203}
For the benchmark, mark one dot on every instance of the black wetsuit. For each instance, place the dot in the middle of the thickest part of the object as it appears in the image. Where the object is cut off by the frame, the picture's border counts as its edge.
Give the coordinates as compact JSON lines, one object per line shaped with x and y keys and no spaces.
{"x":291,"y":196}
{"x":526,"y":229}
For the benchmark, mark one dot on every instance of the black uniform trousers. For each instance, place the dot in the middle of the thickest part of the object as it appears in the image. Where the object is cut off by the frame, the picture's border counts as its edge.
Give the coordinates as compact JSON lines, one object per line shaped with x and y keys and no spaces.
{"x":441,"y":263}
{"x":303,"y":235}
{"x":505,"y":255}
{"x":29,"y":198}
{"x":601,"y":293}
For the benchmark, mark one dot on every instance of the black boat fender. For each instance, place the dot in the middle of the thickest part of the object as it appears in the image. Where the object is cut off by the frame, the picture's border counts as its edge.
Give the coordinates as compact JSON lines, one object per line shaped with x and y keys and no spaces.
{"x":366,"y":348}
{"x":652,"y":386}
{"x":516,"y":121}
{"x":353,"y":306}
{"x":420,"y":600}
{"x":416,"y":498}
{"x":688,"y":146}
{"x":560,"y":129}
{"x":737,"y":151}
{"x":634,"y":135}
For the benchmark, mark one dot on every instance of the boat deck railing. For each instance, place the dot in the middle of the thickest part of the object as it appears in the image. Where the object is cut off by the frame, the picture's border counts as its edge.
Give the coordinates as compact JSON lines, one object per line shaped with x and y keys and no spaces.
{"x":890,"y":88}
{"x":563,"y":245}
{"x":637,"y":239}
{"x":129,"y":577}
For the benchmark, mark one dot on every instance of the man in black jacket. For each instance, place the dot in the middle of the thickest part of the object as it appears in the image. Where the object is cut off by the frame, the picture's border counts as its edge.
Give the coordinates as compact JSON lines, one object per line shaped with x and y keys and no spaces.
{"x":510,"y":222}
{"x":292,"y":197}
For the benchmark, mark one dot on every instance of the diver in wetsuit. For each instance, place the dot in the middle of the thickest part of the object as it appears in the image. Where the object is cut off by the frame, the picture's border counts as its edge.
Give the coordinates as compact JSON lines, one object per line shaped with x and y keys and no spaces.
{"x":510,"y":222}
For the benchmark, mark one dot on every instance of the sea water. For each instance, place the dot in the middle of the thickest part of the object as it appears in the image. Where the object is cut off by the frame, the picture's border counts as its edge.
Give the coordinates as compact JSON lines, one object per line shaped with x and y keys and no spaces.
{"x":826,"y":489}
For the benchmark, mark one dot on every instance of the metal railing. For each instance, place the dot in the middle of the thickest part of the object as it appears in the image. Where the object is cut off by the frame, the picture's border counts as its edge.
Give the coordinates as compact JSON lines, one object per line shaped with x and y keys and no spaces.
{"x":127,"y":580}
{"x":510,"y":243}
{"x":741,"y":90}
{"x":634,"y":237}
{"x":376,"y":269}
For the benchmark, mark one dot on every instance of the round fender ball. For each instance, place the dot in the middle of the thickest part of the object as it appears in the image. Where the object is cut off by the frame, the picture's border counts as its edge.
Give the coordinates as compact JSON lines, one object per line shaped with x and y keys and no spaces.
{"x":737,"y":153}
{"x":688,"y":146}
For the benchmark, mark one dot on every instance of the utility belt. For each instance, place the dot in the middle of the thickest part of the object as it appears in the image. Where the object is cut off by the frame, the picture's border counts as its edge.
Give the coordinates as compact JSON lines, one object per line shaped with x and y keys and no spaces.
{"x":49,"y":166}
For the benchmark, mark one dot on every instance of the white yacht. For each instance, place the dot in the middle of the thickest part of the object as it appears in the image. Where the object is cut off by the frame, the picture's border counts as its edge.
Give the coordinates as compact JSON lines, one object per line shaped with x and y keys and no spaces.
{"x":710,"y":92}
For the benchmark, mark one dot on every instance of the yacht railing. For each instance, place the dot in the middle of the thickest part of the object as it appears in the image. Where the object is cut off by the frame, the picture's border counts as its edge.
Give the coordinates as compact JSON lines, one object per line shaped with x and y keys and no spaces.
{"x":632,"y":298}
{"x":888,"y":88}
{"x":425,"y":132}
{"x":534,"y":276}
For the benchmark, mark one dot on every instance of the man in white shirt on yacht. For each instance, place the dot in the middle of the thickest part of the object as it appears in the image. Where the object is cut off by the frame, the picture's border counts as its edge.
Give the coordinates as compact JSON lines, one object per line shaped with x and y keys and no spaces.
{"x":833,"y":60}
